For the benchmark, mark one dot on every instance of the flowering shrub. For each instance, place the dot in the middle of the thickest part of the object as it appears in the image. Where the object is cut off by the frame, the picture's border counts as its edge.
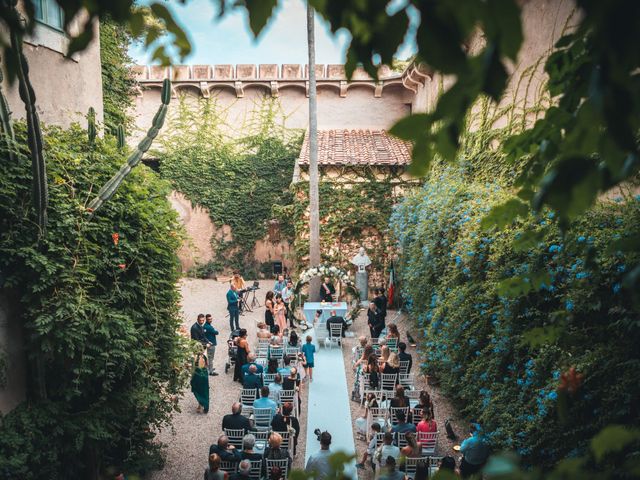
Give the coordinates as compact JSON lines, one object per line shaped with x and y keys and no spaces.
{"x":504,"y":315}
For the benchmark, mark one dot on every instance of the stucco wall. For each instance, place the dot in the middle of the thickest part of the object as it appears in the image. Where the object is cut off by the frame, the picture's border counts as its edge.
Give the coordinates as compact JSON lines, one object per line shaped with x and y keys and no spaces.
{"x":65,"y":87}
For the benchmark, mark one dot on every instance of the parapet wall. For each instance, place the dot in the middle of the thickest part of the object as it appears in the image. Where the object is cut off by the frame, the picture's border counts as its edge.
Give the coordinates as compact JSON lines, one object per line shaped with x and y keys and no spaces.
{"x":244,"y":71}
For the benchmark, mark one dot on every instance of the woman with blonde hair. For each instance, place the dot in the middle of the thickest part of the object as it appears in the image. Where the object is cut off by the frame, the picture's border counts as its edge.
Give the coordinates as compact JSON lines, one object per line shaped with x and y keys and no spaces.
{"x":213,"y":471}
{"x":384,"y":355}
{"x":392,"y":365}
{"x":274,"y":451}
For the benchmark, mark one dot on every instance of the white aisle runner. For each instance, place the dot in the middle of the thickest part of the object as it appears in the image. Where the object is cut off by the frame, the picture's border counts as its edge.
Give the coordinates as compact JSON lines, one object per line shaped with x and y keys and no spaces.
{"x":328,"y":407}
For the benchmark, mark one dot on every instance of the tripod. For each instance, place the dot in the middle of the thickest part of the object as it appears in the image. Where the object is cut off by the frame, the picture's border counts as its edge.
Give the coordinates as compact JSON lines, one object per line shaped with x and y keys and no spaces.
{"x":244,"y":305}
{"x":254,"y":301}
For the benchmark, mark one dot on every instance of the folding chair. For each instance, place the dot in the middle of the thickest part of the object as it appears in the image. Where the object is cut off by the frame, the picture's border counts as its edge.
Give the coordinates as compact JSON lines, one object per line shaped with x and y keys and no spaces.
{"x":276,"y":352}
{"x":401,"y":440}
{"x":392,"y":343}
{"x":366,"y":387}
{"x":377,"y":415}
{"x":288,"y":396}
{"x":263,"y":350}
{"x":357,"y":353}
{"x":267,"y":378}
{"x":282,"y":463}
{"x":412,"y":394}
{"x":235,"y":436}
{"x":411,"y":465}
{"x":393,"y":412}
{"x":416,"y":415}
{"x":428,"y":440}
{"x":247,"y":396}
{"x":229,"y":467}
{"x":379,"y":439}
{"x":407,"y":381}
{"x":263,"y":361}
{"x":286,"y":440}
{"x":335,"y":334}
{"x":262,"y":417}
{"x":256,"y":470}
{"x":388,"y":381}
{"x":321,"y":334}
{"x":404,"y":367}
{"x":292,"y":351}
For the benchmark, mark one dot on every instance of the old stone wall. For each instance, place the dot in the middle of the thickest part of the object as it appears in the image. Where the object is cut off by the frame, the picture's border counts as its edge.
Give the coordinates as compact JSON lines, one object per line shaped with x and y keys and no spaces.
{"x":65,"y":86}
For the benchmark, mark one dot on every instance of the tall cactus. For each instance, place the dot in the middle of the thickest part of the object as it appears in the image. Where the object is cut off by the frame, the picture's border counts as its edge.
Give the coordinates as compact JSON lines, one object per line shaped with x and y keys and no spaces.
{"x":121,"y":137}
{"x":40,"y":192}
{"x":5,"y":120}
{"x":91,"y":126}
{"x":109,"y":188}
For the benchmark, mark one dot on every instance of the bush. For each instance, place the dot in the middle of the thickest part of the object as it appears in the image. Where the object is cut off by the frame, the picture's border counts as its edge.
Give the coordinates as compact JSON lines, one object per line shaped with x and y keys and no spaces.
{"x":100,"y":315}
{"x":504,"y":314}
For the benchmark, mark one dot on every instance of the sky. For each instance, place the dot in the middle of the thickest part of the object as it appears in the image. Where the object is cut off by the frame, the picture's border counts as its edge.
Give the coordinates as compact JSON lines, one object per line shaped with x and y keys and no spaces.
{"x":230,"y":41}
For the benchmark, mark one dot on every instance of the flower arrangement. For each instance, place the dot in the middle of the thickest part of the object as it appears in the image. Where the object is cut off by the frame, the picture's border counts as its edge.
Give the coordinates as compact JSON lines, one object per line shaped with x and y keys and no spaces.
{"x":330,"y":271}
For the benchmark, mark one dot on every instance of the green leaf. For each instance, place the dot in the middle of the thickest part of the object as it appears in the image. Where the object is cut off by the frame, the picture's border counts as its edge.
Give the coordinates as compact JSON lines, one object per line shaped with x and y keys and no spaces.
{"x":527,"y":240}
{"x":503,"y":464}
{"x":504,"y":214}
{"x":504,"y":26}
{"x":259,"y":13}
{"x":411,"y":128}
{"x":612,"y":439}
{"x":421,"y":156}
{"x":540,"y":336}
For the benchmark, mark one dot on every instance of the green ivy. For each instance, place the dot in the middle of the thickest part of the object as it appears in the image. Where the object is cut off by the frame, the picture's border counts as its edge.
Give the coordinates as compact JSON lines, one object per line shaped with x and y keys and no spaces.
{"x":238,"y":180}
{"x":117,"y":78}
{"x":350,"y":211}
{"x":105,"y":365}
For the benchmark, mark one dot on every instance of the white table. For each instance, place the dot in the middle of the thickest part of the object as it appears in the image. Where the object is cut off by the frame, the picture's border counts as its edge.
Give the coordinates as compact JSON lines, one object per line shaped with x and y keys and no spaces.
{"x":311,"y":307}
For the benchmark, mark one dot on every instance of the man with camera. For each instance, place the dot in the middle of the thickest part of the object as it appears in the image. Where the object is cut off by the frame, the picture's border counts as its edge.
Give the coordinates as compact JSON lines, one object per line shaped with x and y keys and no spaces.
{"x":319,"y":462}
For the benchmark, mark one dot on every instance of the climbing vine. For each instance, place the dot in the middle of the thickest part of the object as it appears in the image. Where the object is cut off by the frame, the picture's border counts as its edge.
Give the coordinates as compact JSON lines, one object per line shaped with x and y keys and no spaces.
{"x":237,"y":176}
{"x":117,"y":78}
{"x":355,"y":207}
{"x":98,"y":301}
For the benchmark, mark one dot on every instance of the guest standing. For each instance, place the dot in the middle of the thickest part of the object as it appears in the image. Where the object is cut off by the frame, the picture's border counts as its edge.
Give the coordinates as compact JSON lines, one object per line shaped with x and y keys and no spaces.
{"x":211,"y":335}
{"x":280,"y":312}
{"x":279,"y":285}
{"x":374,"y":320}
{"x":309,"y":350}
{"x":197,"y":330}
{"x":268,"y":312}
{"x":200,"y":382}
{"x":242,"y":354}
{"x":233,"y":308}
{"x":287,"y":298}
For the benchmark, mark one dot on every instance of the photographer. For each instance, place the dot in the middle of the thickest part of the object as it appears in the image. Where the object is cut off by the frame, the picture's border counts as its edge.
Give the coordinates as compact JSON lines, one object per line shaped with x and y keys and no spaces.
{"x":319,"y":462}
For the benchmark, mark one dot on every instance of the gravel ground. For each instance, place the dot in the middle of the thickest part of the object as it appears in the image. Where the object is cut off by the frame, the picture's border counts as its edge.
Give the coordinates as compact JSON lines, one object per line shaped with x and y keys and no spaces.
{"x":191,"y":434}
{"x":442,"y":406}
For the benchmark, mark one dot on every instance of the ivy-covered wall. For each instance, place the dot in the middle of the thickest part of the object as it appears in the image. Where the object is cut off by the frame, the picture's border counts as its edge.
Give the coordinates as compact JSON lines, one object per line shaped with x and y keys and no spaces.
{"x":99,"y":310}
{"x":117,"y":79}
{"x":355,"y":207}
{"x":238,"y":180}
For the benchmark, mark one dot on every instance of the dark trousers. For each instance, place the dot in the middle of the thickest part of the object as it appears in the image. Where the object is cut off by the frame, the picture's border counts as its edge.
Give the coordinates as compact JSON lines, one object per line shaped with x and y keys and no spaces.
{"x":289,"y":315}
{"x":234,"y":318}
{"x":467,"y":469}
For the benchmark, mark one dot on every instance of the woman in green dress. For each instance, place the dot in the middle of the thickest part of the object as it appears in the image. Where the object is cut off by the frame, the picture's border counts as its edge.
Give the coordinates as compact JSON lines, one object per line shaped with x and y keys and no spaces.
{"x":200,"y":382}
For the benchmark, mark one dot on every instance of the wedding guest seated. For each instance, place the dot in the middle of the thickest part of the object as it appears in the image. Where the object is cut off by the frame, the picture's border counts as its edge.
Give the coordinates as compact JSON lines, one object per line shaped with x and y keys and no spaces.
{"x":403,"y":356}
{"x":371,"y":448}
{"x":275,"y":388}
{"x":425,"y":403}
{"x":264,"y":401}
{"x":213,"y":471}
{"x":392,"y":332}
{"x":386,"y":450}
{"x":389,"y":471}
{"x":275,"y":473}
{"x":293,"y":339}
{"x":274,"y":450}
{"x":263,"y":331}
{"x":413,"y":449}
{"x":251,"y":360}
{"x":286,"y":369}
{"x":248,"y":443}
{"x":225,"y":450}
{"x":448,"y":464}
{"x":235,"y":420}
{"x":373,"y":370}
{"x":292,"y":381}
{"x":284,"y":422}
{"x":361,"y":422}
{"x":399,"y":400}
{"x":244,"y":471}
{"x":364,"y":358}
{"x":392,"y":365}
{"x":427,"y":424}
{"x":336,"y":320}
{"x":384,"y":355}
{"x":272,"y":366}
{"x":358,"y":349}
{"x":402,"y":426}
{"x":252,"y":379}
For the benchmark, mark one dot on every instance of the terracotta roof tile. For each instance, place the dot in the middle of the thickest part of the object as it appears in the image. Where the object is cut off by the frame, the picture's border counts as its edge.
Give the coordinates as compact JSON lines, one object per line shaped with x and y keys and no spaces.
{"x":357,"y":147}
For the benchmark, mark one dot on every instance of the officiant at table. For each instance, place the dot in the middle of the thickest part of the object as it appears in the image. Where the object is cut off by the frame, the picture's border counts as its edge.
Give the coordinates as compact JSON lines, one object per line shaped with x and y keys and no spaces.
{"x":327,"y":290}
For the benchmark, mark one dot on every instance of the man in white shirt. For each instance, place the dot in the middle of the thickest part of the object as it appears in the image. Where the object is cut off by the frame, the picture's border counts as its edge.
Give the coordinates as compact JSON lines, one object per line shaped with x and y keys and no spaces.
{"x":287,"y":297}
{"x":387,"y":449}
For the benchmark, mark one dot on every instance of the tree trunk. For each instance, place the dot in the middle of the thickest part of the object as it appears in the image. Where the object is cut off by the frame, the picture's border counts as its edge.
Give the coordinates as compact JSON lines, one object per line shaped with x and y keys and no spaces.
{"x":314,"y":201}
